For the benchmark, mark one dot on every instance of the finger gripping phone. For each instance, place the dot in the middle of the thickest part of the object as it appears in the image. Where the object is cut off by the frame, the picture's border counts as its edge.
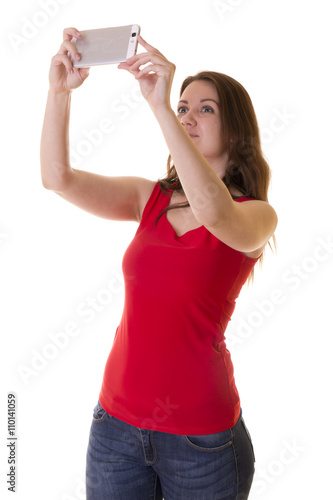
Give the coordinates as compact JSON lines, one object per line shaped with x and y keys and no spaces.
{"x":106,"y":45}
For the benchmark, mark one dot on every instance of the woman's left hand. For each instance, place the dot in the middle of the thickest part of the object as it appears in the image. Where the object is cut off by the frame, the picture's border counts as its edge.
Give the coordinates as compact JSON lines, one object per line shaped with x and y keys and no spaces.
{"x":155,"y":79}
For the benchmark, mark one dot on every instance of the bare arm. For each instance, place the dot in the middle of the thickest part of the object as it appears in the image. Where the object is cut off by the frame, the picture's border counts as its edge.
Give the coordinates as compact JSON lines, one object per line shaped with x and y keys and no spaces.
{"x":243,"y":226}
{"x":117,"y":198}
{"x":54,"y":147}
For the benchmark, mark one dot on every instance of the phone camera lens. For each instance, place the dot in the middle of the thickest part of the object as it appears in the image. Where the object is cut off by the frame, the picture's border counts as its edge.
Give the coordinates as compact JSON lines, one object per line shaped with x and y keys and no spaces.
{"x":133,"y":34}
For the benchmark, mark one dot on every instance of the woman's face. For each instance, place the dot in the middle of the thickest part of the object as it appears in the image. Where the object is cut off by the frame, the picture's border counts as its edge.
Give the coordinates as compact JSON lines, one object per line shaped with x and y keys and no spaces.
{"x":199,"y":113}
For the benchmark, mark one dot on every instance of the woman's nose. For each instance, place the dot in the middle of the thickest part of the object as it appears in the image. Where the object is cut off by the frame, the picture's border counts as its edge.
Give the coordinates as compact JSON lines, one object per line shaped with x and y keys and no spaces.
{"x":188,"y":118}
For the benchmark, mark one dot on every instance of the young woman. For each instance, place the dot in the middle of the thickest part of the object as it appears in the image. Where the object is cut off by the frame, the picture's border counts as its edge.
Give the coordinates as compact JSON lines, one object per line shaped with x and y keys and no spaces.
{"x":168,"y":422}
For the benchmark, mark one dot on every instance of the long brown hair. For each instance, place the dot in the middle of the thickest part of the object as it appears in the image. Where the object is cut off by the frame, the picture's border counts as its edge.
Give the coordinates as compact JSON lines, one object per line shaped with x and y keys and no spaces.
{"x":247,"y":170}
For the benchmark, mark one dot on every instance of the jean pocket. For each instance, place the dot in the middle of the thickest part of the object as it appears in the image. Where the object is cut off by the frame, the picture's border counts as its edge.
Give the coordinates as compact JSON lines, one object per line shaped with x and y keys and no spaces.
{"x":249,"y":437}
{"x":210,"y":442}
{"x":99,"y":413}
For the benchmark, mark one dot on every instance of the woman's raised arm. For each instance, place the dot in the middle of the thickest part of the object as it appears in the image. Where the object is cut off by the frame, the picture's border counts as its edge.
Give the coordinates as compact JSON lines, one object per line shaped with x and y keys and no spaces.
{"x":117,"y":198}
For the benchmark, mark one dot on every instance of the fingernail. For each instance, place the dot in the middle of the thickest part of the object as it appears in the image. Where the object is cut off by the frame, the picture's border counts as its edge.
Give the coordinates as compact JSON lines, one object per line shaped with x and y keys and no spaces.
{"x":77,"y":57}
{"x":78,"y":34}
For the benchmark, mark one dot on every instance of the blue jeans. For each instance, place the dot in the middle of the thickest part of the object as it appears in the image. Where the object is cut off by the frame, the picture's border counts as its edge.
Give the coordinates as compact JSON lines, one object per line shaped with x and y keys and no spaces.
{"x":128,"y":463}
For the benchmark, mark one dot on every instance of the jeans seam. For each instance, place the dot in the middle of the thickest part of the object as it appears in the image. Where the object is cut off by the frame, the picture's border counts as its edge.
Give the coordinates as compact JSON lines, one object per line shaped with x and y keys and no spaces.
{"x":211,"y":450}
{"x":236,"y":461}
{"x":155,"y":486}
{"x":154,"y":451}
{"x":249,"y":438}
{"x":149,"y":462}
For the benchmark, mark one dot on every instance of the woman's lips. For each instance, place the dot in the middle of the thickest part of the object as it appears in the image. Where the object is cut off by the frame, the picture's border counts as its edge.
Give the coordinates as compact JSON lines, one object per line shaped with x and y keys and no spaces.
{"x":191,"y":134}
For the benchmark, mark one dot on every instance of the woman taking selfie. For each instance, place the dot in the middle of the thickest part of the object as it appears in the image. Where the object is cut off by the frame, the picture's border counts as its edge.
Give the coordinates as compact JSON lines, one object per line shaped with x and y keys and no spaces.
{"x":168,"y":422}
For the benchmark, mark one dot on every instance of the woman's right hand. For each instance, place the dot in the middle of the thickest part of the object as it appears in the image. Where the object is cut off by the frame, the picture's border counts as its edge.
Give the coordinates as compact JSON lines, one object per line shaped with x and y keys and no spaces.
{"x":62,"y":76}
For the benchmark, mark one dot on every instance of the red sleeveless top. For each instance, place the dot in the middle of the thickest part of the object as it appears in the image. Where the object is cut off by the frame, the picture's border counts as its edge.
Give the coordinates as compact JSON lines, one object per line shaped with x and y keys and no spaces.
{"x":169,"y":369}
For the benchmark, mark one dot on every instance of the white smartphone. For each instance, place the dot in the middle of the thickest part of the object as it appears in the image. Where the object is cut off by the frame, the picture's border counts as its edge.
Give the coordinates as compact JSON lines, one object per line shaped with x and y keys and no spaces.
{"x":106,"y":45}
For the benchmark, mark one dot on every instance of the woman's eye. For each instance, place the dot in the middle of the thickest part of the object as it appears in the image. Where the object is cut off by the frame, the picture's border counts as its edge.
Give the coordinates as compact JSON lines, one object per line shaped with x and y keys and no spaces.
{"x":207,"y":109}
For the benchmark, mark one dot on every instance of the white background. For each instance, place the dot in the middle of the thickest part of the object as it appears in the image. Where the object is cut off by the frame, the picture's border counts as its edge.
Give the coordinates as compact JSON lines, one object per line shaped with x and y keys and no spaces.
{"x":53,"y":256}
